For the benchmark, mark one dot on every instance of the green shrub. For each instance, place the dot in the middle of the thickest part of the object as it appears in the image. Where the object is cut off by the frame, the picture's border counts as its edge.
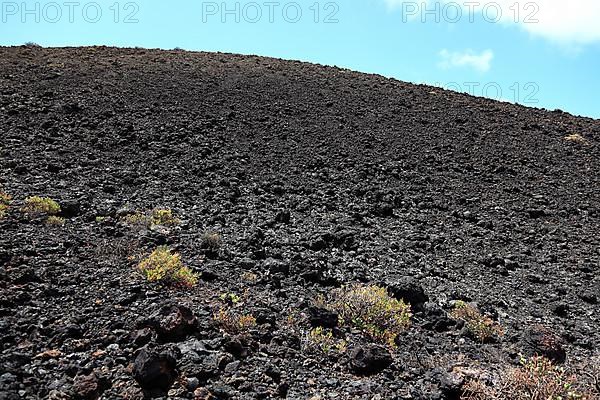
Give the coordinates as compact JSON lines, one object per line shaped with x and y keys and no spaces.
{"x":163,"y":217}
{"x":370,"y":309}
{"x":166,"y":267}
{"x":480,"y":326}
{"x":41,"y":205}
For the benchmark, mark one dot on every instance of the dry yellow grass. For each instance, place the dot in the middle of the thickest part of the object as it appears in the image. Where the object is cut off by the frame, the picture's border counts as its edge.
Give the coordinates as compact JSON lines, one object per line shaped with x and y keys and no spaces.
{"x":576,"y":138}
{"x":536,"y":379}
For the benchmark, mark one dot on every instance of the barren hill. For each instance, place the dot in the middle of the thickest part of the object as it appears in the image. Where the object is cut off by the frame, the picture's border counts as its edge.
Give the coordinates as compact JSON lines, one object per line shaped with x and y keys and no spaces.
{"x":292,"y":185}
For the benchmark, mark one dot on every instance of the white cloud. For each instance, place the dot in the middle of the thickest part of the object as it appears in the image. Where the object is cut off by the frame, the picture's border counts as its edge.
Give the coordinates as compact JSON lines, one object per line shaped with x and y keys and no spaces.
{"x":480,"y":62}
{"x":573,"y":21}
{"x":566,"y":22}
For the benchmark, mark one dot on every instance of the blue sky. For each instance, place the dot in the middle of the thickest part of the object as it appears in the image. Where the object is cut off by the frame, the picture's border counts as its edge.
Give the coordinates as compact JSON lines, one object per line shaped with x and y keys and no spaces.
{"x":543,"y":53}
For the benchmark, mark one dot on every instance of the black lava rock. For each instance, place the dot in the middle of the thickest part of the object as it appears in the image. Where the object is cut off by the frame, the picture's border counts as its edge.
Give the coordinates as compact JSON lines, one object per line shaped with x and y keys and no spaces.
{"x":322,"y":317}
{"x":370,"y":359}
{"x":283,"y":217}
{"x":155,"y":371}
{"x":541,"y":341}
{"x":409,"y":291}
{"x":276,"y":266}
{"x":172,"y":323}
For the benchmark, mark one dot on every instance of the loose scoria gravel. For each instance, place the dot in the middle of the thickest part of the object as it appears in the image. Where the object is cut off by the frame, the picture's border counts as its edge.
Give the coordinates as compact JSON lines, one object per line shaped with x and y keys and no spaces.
{"x":315,"y":177}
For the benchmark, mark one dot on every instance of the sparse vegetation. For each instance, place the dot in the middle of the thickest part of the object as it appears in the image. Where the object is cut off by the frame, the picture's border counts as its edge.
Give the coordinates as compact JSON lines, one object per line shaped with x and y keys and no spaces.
{"x":324,"y":340}
{"x":159,"y":216}
{"x":230,"y":298}
{"x":211,"y":241}
{"x":249,"y":277}
{"x":166,"y":267}
{"x":371,"y":309}
{"x":232,"y":322}
{"x":5,"y":201}
{"x":536,"y":379}
{"x":163,"y":217}
{"x":576,"y":138}
{"x":136,"y":218}
{"x":115,"y":250}
{"x":54,"y":220}
{"x":480,"y":326}
{"x":41,"y":205}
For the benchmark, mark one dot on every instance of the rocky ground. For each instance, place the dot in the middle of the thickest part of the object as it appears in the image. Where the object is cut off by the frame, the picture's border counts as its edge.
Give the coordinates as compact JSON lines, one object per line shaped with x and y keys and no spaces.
{"x":315,"y":178}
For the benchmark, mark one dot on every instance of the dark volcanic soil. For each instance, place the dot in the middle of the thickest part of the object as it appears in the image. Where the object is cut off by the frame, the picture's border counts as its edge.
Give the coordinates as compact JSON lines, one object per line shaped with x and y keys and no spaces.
{"x":315,"y":177}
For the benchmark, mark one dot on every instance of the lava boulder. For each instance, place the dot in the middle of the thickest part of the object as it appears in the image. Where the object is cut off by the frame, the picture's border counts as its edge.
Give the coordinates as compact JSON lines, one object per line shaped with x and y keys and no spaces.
{"x":369,"y":359}
{"x":154,"y":371}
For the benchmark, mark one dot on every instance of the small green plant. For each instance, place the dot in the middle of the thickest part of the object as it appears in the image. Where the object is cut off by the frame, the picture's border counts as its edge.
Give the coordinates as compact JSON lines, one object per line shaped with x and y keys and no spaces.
{"x":480,"y":326}
{"x":233,"y":322}
{"x":536,"y":379}
{"x":163,"y":217}
{"x":54,"y":220}
{"x":100,"y":219}
{"x":211,"y":241}
{"x":324,"y":340}
{"x":5,"y":201}
{"x":166,"y":267}
{"x":230,"y":298}
{"x":371,"y":309}
{"x":41,"y":205}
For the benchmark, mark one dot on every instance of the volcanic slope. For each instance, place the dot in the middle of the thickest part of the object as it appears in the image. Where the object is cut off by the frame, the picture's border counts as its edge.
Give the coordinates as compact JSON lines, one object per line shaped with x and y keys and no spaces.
{"x":310,"y":179}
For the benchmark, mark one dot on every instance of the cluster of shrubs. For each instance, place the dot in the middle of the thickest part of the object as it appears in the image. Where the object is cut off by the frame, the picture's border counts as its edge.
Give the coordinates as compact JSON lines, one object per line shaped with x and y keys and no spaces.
{"x":162,"y":265}
{"x":40,"y":206}
{"x":368,"y":308}
{"x":34,"y":206}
